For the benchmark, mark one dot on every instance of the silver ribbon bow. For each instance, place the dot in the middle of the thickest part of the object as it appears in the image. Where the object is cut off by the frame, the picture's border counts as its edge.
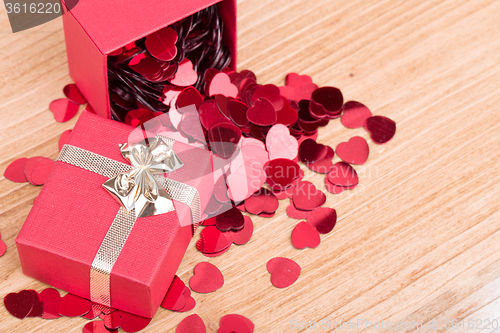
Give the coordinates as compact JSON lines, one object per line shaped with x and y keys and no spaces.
{"x":138,"y":188}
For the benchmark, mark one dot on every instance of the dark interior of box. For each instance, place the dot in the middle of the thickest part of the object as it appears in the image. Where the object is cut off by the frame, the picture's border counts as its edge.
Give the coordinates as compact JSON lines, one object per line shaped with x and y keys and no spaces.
{"x":199,"y":39}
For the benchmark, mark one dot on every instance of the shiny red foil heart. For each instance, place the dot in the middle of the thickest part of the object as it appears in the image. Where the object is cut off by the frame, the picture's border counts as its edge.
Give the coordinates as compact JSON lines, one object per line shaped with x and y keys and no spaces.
{"x":19,"y":304}
{"x":305,"y":235}
{"x":262,"y":201}
{"x":234,"y":323}
{"x":355,"y":114}
{"x":307,"y":197}
{"x":323,"y":219}
{"x":355,"y":151}
{"x":175,"y":299}
{"x":231,"y":219}
{"x":74,"y":306}
{"x":381,"y":129}
{"x":15,"y":171}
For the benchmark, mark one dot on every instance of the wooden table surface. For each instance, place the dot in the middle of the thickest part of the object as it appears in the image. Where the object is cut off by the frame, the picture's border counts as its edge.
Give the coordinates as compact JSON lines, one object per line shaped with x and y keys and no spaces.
{"x":417,"y":241}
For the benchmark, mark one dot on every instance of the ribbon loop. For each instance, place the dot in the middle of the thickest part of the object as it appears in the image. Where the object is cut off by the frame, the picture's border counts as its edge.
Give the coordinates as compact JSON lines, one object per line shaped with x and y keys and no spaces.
{"x":137,"y":188}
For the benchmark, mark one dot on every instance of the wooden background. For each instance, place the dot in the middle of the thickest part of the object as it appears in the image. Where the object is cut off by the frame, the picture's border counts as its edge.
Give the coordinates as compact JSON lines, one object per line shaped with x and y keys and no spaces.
{"x":419,"y":238}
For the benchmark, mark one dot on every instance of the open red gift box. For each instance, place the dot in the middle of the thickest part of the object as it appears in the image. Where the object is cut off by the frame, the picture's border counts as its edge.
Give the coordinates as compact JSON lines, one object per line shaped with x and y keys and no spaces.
{"x":73,"y":213}
{"x":95,"y":29}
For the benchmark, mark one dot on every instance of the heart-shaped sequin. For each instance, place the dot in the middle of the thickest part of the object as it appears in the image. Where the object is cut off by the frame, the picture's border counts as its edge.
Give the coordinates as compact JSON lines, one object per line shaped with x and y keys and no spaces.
{"x":307,"y":197}
{"x":19,"y":304}
{"x":191,"y":324}
{"x":381,"y":129}
{"x":355,"y":151}
{"x":63,"y":109}
{"x":231,"y":219}
{"x":161,"y":44}
{"x":355,"y":114}
{"x":185,"y":75}
{"x":15,"y":171}
{"x":284,"y":272}
{"x":305,"y":235}
{"x":262,"y":113}
{"x":207,"y":278}
{"x":323,"y":219}
{"x":221,"y":85}
{"x":234,"y":323}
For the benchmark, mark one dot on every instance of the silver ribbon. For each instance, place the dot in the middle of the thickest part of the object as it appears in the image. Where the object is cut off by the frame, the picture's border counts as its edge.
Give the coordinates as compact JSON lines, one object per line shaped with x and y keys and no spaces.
{"x":141,"y":181}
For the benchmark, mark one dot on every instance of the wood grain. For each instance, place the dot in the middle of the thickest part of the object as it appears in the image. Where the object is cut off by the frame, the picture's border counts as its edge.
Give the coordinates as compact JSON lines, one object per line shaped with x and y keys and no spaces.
{"x":417,"y":241}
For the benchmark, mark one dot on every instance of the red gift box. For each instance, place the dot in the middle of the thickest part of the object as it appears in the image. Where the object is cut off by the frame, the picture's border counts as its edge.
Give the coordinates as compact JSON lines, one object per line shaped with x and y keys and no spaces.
{"x":72,"y":214}
{"x":93,"y":29}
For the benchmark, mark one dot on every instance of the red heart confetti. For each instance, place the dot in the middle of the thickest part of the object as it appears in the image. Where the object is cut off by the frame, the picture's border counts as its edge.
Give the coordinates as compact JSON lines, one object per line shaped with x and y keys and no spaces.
{"x":37,"y":309}
{"x":242,"y":236}
{"x":72,"y":92}
{"x":342,"y":174}
{"x":175,"y":299}
{"x":305,"y":235}
{"x":284,"y":272}
{"x":212,"y":240}
{"x":295,"y":213}
{"x":187,"y":98}
{"x":161,"y":44}
{"x":96,"y":327}
{"x":31,"y":165}
{"x":381,"y":129}
{"x":235,"y":323}
{"x":310,"y":151}
{"x":262,"y":113}
{"x":133,"y":323}
{"x":15,"y":171}
{"x":111,"y":320}
{"x":224,"y":138}
{"x":74,"y":306}
{"x":63,"y":109}
{"x":191,"y":324}
{"x":190,"y":301}
{"x":3,"y":248}
{"x":355,"y":151}
{"x":307,"y":197}
{"x":19,"y":304}
{"x":51,"y":300}
{"x":324,"y":219}
{"x":41,"y":171}
{"x":270,"y":93}
{"x":281,"y":173}
{"x":207,"y":278}
{"x":238,"y":112}
{"x":262,"y":201}
{"x":329,"y":97}
{"x":355,"y":114}
{"x":231,"y":219}
{"x":64,"y":138}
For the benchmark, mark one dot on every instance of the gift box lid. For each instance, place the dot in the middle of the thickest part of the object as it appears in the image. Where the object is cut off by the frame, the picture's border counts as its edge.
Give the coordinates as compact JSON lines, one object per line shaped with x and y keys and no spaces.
{"x":71,"y":216}
{"x":112,"y":24}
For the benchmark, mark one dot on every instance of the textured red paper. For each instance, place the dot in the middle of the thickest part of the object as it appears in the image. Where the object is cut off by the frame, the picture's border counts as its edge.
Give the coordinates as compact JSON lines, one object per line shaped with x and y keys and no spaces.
{"x":73,"y":212}
{"x":93,"y":29}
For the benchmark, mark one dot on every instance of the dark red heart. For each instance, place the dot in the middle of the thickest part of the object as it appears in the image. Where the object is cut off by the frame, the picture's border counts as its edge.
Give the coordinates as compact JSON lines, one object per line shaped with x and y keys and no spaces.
{"x":381,"y":129}
{"x":231,"y":219}
{"x":310,"y":151}
{"x":262,"y":201}
{"x":19,"y":304}
{"x":74,"y":306}
{"x":324,"y":219}
{"x":262,"y":113}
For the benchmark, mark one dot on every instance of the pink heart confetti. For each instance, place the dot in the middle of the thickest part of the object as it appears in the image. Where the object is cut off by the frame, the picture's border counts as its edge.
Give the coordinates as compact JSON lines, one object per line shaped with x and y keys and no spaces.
{"x":355,"y":151}
{"x":295,"y":213}
{"x":284,"y":272}
{"x":186,"y":75}
{"x":221,"y":85}
{"x":3,"y":248}
{"x":207,"y":278}
{"x":280,"y":144}
{"x":342,"y":174}
{"x":305,"y":235}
